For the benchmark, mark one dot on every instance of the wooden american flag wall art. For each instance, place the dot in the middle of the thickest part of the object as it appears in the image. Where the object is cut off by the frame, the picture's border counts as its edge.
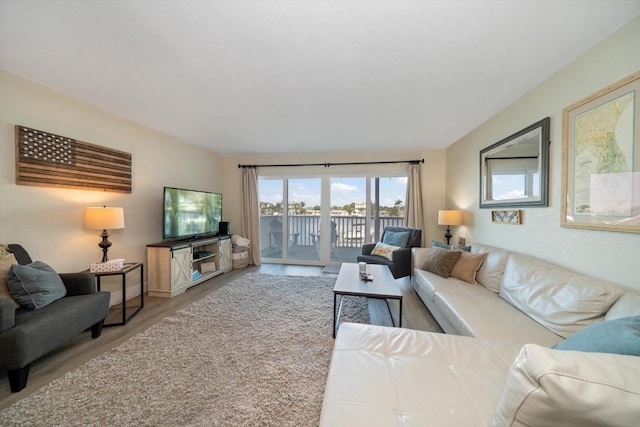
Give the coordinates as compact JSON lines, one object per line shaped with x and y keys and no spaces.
{"x":45,"y":159}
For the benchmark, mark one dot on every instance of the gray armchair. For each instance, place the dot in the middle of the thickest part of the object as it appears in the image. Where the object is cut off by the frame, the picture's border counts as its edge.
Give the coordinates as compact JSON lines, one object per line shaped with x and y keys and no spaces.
{"x":25,"y":334}
{"x":400,"y":265}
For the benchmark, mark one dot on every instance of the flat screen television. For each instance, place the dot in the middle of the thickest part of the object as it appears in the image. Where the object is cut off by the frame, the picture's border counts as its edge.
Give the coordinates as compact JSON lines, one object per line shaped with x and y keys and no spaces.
{"x":190,"y":213}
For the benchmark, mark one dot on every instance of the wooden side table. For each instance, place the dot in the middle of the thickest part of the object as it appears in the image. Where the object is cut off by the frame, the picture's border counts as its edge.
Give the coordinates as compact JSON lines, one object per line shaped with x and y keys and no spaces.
{"x":128,"y":268}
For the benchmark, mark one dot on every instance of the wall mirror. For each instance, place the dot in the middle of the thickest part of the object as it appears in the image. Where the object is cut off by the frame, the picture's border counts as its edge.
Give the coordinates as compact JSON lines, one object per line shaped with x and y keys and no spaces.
{"x":514,"y":172}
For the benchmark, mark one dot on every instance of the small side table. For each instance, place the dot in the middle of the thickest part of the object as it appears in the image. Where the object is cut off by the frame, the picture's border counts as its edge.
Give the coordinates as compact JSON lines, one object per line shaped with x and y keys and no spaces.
{"x":128,"y":268}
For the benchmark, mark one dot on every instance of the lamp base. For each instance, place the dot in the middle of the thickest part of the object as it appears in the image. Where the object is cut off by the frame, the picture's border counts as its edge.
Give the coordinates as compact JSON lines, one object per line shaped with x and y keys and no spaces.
{"x":105,"y":244}
{"x":448,"y":234}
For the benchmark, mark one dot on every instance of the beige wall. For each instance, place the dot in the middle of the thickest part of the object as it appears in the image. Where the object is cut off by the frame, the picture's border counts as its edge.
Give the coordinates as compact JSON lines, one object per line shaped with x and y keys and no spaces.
{"x":48,"y":221}
{"x":608,"y":255}
{"x":432,"y":176}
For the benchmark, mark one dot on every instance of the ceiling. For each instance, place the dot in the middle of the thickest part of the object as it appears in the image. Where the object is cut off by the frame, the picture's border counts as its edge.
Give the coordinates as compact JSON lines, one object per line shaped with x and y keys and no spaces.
{"x":254,"y":77}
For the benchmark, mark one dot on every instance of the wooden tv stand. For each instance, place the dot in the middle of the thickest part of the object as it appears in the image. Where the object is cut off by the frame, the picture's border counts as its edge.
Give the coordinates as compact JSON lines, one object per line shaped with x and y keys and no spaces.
{"x":175,"y":266}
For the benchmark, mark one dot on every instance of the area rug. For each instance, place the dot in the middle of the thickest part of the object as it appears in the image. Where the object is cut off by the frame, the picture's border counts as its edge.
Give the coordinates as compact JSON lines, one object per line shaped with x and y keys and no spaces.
{"x":255,"y":352}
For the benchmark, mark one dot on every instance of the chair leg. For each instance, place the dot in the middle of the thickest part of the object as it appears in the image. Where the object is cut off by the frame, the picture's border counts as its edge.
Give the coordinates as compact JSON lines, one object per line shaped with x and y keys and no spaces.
{"x":18,"y":378}
{"x":96,"y":329}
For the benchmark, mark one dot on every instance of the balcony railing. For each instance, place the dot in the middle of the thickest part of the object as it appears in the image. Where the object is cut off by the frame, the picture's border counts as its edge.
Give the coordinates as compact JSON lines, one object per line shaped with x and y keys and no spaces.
{"x":350,"y":231}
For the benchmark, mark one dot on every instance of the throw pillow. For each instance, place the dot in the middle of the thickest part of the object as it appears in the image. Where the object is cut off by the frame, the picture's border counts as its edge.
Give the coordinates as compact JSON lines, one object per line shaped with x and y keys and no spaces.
{"x":467,"y":266}
{"x":384,"y":250}
{"x":396,"y":238}
{"x":5,"y":263}
{"x":436,"y":244}
{"x":35,"y":285}
{"x":553,"y":388}
{"x":619,"y":336}
{"x":441,"y":261}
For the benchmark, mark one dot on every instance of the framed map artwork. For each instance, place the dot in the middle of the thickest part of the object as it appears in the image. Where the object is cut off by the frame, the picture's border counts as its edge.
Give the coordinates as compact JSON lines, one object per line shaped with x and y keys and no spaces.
{"x":601,"y":159}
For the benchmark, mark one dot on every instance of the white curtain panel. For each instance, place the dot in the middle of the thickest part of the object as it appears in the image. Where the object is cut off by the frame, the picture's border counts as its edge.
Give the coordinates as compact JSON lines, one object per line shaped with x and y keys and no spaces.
{"x":414,"y":210}
{"x":250,"y":224}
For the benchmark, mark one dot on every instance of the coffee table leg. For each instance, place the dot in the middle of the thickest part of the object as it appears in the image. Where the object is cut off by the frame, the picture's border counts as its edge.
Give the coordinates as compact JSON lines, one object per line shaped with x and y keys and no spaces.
{"x":333,"y":326}
{"x":391,"y":314}
{"x":336,"y":317}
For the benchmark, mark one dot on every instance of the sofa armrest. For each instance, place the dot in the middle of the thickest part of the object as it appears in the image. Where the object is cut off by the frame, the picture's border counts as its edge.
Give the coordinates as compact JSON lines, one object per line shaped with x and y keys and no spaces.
{"x":367,"y":248}
{"x":402,"y":256}
{"x":79,"y":283}
{"x":7,"y":314}
{"x":402,"y":260}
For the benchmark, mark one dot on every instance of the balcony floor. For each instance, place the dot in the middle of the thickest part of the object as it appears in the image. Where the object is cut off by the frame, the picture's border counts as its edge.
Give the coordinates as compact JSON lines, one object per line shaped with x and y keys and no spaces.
{"x":301,"y":253}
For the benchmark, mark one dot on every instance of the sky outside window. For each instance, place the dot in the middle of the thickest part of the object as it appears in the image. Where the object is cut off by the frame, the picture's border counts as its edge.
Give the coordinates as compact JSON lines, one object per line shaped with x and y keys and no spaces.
{"x":343,"y":191}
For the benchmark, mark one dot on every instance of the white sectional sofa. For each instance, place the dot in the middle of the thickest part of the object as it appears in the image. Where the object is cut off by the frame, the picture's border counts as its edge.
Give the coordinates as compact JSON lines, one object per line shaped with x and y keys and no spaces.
{"x":494,"y":366}
{"x":516,"y":298}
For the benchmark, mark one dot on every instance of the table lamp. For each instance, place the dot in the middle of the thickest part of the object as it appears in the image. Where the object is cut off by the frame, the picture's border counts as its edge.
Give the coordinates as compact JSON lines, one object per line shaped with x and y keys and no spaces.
{"x":103,"y":218}
{"x":449,"y":217}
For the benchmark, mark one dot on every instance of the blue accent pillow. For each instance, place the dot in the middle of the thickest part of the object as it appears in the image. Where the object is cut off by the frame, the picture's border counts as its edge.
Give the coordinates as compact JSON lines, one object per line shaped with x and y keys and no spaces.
{"x":35,"y":285}
{"x":396,"y":238}
{"x":436,"y":244}
{"x":618,"y":336}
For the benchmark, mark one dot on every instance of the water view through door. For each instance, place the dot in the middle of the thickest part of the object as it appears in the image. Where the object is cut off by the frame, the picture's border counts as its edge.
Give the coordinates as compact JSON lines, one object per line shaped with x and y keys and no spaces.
{"x":327,"y":230}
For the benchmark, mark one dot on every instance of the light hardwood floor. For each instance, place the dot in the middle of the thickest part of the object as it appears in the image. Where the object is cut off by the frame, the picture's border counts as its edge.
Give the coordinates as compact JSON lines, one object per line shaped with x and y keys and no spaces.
{"x":83,"y":348}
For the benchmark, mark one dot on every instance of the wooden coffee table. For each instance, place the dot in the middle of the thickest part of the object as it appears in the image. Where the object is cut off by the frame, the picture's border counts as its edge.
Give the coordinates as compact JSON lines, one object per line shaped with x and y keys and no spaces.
{"x":383,"y":286}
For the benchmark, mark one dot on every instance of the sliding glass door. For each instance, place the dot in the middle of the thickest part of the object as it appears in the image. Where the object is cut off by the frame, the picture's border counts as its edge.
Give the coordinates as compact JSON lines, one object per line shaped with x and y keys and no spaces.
{"x":271,"y":217}
{"x":303,"y":217}
{"x":290,"y":219}
{"x":326,"y":220}
{"x":387,"y":204}
{"x":348,"y":218}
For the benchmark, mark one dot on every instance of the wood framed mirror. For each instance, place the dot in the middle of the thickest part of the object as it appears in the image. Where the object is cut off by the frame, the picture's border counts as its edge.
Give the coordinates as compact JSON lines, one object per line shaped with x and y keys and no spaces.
{"x":514,"y":172}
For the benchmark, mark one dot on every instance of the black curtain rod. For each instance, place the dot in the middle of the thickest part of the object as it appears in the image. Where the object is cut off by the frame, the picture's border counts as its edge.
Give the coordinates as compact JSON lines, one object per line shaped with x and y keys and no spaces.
{"x":326,"y":165}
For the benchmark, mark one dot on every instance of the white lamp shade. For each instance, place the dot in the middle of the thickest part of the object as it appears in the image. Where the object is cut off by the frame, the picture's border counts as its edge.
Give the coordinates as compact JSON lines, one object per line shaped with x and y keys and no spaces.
{"x":449,"y":217}
{"x":103,"y":218}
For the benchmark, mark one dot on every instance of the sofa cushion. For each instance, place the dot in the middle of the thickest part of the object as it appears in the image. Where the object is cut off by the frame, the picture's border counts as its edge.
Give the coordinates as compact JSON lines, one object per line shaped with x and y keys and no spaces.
{"x":37,"y":332}
{"x":35,"y":285}
{"x":383,"y":376}
{"x":467,"y":266}
{"x":7,"y":314}
{"x":5,"y":263}
{"x":561,"y":300}
{"x":427,"y":283}
{"x":375,"y":259}
{"x":492,"y":269}
{"x":436,"y":244}
{"x":483,"y":314}
{"x":382,"y":249}
{"x":441,"y":261}
{"x":559,"y":388}
{"x":396,"y":238}
{"x":618,"y":336}
{"x":627,"y":305}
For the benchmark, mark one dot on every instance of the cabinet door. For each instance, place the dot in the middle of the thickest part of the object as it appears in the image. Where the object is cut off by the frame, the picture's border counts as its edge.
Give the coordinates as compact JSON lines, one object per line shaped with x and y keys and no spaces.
{"x":180,"y":267}
{"x":225,"y":255}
